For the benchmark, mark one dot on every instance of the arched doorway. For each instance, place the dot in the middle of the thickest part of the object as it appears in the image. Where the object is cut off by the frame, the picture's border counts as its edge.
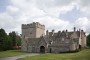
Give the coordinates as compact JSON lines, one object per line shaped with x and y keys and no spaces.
{"x":42,"y":49}
{"x":79,"y":47}
{"x":50,"y":50}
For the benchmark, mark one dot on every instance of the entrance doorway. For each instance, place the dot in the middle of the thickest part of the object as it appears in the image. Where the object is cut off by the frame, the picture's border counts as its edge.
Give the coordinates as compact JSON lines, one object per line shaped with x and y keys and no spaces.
{"x":79,"y":47}
{"x":42,"y":49}
{"x":50,"y":50}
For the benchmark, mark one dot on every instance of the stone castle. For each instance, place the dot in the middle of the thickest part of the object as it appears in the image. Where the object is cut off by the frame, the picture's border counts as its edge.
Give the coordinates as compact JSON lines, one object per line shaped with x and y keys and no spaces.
{"x":35,"y":40}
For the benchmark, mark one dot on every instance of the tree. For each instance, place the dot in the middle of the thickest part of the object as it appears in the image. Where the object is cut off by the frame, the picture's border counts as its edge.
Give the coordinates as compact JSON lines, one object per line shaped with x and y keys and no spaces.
{"x":8,"y":42}
{"x":1,"y":44}
{"x":15,"y":39}
{"x":88,"y":40}
{"x":3,"y":40}
{"x":18,"y":40}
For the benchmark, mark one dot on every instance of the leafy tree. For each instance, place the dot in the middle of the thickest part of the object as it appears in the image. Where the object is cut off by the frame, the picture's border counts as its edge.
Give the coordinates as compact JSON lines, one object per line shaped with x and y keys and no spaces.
{"x":8,"y":42}
{"x":16,"y":40}
{"x":88,"y":40}
{"x":1,"y":44}
{"x":13,"y":38}
{"x":3,"y":40}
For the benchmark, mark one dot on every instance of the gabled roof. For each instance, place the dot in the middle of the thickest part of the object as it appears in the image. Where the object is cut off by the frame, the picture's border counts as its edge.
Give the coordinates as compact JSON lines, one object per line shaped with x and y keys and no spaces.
{"x":78,"y":33}
{"x":33,"y":41}
{"x":56,"y":37}
{"x":46,"y":39}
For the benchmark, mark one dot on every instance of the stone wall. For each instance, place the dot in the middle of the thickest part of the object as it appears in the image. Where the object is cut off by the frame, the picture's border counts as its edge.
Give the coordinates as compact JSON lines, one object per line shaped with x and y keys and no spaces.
{"x":23,"y":45}
{"x":83,"y":39}
{"x":61,"y":41}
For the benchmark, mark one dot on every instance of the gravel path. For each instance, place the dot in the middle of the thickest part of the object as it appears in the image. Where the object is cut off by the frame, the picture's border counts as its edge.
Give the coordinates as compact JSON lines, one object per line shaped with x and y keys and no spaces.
{"x":17,"y":57}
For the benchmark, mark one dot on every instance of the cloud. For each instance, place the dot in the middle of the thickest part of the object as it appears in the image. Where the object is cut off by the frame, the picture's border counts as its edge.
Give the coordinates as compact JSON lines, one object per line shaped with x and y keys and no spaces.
{"x":3,"y":4}
{"x":84,"y":6}
{"x":82,"y":23}
{"x":72,"y":15}
{"x":53,"y":23}
{"x":17,"y":14}
{"x":47,"y":12}
{"x":54,"y":7}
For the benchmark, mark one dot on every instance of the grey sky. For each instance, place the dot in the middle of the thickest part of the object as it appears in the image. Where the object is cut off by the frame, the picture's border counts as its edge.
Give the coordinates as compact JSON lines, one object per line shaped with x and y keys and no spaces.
{"x":54,"y":14}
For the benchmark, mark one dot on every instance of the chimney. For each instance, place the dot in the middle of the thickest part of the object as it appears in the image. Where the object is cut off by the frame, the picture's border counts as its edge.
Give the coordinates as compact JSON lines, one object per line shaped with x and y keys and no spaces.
{"x":47,"y":33}
{"x":82,"y":31}
{"x":74,"y":29}
{"x":66,"y":30}
{"x":59,"y":31}
{"x":52,"y":32}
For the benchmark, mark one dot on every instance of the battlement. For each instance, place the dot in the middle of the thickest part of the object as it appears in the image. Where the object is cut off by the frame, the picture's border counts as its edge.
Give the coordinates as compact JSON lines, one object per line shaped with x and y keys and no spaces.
{"x":33,"y":25}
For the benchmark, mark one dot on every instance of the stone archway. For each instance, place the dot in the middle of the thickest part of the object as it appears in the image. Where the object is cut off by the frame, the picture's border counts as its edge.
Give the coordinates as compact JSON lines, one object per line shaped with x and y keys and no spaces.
{"x":79,"y":47}
{"x":42,"y":49}
{"x":50,"y":50}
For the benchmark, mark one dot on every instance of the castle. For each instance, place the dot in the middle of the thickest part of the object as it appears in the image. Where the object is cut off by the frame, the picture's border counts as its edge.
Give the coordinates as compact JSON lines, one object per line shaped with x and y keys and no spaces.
{"x":35,"y":40}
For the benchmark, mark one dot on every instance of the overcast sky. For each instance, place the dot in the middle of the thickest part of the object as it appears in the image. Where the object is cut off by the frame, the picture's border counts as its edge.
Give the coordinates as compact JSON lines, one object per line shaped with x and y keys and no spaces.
{"x":54,"y":14}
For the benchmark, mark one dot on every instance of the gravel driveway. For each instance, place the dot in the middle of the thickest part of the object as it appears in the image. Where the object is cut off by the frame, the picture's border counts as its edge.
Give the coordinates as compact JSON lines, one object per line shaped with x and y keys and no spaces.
{"x":17,"y":57}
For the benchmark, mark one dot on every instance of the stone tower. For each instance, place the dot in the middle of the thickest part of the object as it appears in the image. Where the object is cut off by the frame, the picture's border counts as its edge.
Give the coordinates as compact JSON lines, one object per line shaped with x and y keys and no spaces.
{"x":33,"y":30}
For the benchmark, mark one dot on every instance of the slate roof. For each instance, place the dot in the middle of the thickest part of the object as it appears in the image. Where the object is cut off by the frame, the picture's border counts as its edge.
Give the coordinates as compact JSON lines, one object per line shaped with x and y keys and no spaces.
{"x":78,"y":33}
{"x":56,"y":38}
{"x":33,"y":41}
{"x":46,"y":39}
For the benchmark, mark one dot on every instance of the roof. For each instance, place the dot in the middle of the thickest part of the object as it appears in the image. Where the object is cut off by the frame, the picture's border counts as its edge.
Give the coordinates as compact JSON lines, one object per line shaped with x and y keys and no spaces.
{"x":33,"y":41}
{"x":78,"y":33}
{"x":56,"y":38}
{"x":46,"y":39}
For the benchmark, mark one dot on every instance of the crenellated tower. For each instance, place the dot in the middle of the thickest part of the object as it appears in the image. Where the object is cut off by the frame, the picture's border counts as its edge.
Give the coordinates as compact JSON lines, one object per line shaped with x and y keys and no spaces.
{"x":33,"y":30}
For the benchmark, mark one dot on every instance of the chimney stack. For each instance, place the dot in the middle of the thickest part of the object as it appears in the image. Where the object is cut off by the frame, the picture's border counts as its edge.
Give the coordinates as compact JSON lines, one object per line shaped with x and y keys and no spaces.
{"x":52,"y":32}
{"x":74,"y":29}
{"x":66,"y":30}
{"x":47,"y":33}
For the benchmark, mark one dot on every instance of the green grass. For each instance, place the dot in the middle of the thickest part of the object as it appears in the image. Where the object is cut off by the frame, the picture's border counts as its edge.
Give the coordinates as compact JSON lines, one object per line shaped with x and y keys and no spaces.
{"x":82,"y":55}
{"x":9,"y":53}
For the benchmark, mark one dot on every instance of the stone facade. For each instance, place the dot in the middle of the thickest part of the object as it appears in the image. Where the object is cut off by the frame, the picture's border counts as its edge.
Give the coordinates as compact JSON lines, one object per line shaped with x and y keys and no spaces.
{"x":35,"y":40}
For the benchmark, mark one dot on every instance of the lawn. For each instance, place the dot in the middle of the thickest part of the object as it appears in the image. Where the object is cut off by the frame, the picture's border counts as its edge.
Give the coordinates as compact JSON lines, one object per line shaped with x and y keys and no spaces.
{"x":82,"y":55}
{"x":9,"y":53}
